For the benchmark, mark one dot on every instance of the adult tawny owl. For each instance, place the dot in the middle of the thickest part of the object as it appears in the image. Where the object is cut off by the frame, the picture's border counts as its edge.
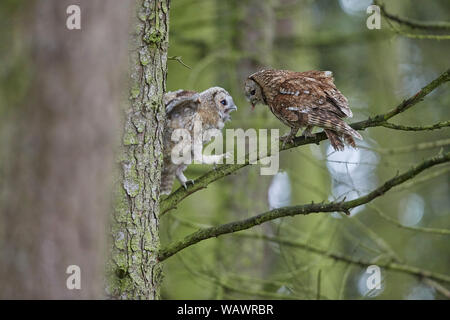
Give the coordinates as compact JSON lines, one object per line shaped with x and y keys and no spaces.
{"x":303,"y":99}
{"x":188,"y":110}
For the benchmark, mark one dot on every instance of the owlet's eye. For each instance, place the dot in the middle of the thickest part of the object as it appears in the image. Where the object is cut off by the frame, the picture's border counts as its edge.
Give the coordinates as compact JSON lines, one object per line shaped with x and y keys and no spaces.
{"x":223,"y":102}
{"x":253,"y":92}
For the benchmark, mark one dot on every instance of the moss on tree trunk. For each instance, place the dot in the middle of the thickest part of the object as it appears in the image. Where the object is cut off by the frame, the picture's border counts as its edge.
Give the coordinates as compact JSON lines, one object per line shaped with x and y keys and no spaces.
{"x":133,"y":270}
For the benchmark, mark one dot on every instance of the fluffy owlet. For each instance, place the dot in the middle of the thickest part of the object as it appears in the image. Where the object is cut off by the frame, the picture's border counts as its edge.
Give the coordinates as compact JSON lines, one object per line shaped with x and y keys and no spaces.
{"x":184,"y":109}
{"x":303,"y":99}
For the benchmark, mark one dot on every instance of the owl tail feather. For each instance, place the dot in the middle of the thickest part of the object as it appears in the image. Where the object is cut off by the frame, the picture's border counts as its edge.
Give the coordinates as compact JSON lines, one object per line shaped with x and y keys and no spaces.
{"x":349,"y":139}
{"x":333,"y":123}
{"x":335,"y":128}
{"x":167,"y":179}
{"x":335,"y":140}
{"x":351,"y":132}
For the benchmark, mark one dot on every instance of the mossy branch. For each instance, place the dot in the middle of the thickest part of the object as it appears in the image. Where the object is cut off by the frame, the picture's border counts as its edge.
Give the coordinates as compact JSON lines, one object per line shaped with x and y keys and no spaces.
{"x":344,"y":206}
{"x":307,"y":246}
{"x":437,"y":37}
{"x":394,"y":264}
{"x":436,"y":126}
{"x":224,"y":170}
{"x":412,"y":23}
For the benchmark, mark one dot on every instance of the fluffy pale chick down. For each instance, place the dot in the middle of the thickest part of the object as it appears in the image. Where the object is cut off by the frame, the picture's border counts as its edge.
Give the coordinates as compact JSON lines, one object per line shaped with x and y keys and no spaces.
{"x":211,"y":108}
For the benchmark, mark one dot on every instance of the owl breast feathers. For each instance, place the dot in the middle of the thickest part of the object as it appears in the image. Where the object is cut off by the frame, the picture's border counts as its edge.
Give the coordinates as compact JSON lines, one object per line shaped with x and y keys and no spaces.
{"x":210,"y":108}
{"x":303,"y":99}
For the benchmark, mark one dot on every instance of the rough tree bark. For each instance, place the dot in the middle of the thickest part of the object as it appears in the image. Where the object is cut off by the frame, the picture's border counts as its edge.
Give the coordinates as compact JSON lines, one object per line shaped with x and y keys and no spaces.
{"x":56,"y":154}
{"x":133,"y":270}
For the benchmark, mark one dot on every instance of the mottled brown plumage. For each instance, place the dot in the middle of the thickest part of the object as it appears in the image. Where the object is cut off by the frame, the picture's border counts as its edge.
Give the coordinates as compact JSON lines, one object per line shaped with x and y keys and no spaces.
{"x":184,"y":108}
{"x":303,"y":99}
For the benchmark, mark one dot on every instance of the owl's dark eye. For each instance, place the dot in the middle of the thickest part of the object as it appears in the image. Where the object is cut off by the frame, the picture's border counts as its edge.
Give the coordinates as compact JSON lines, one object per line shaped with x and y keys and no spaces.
{"x":253,"y":92}
{"x":223,"y":102}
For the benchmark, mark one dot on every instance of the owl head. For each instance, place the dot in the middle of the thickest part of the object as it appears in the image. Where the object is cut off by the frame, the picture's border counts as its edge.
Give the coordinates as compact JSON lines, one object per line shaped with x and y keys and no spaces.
{"x":222,"y":101}
{"x":253,"y":92}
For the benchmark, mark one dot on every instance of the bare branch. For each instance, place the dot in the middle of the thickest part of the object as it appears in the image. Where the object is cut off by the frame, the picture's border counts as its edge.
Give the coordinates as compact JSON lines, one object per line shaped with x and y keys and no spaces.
{"x":307,"y":246}
{"x":412,"y":23}
{"x":207,"y":233}
{"x":398,"y":224}
{"x":424,"y":178}
{"x":394,"y":266}
{"x":178,"y":59}
{"x":438,"y":287}
{"x":435,"y":126}
{"x":222,"y":171}
{"x":410,"y":148}
{"x":419,"y":36}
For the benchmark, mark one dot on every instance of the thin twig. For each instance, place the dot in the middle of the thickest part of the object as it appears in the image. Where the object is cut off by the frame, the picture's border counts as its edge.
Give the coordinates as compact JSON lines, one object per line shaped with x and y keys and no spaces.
{"x":222,"y":171}
{"x":389,"y":265}
{"x":178,"y":59}
{"x":398,"y":224}
{"x":344,"y":206}
{"x":412,"y":23}
{"x":435,"y":126}
{"x":418,"y":36}
{"x":415,"y":147}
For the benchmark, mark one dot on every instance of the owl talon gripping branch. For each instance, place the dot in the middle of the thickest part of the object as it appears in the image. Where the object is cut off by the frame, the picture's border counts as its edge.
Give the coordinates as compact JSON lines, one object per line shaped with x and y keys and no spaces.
{"x":289,"y":137}
{"x":307,"y":133}
{"x":304,"y":99}
{"x":186,"y":183}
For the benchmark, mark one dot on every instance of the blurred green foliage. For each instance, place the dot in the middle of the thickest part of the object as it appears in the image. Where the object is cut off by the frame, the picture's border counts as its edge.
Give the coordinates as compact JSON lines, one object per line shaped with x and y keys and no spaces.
{"x":376,"y":70}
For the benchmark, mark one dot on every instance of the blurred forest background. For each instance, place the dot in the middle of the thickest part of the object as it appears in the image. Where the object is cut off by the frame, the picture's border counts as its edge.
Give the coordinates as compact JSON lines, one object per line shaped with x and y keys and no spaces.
{"x":221,"y":42}
{"x":225,"y":41}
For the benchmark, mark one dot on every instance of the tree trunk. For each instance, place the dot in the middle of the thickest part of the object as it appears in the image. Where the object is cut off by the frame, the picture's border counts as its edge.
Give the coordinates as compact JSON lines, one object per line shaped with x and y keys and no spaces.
{"x":133,"y":270}
{"x":255,"y":37}
{"x":56,"y":155}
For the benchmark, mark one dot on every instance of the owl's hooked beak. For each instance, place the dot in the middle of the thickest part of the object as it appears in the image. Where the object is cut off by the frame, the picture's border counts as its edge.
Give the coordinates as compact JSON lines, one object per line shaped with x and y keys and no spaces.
{"x":253,"y":106}
{"x":231,"y":108}
{"x":228,"y":110}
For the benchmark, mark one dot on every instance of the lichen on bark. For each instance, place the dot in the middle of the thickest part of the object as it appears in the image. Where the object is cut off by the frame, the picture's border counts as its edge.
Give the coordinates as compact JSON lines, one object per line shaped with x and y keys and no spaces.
{"x":133,"y":271}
